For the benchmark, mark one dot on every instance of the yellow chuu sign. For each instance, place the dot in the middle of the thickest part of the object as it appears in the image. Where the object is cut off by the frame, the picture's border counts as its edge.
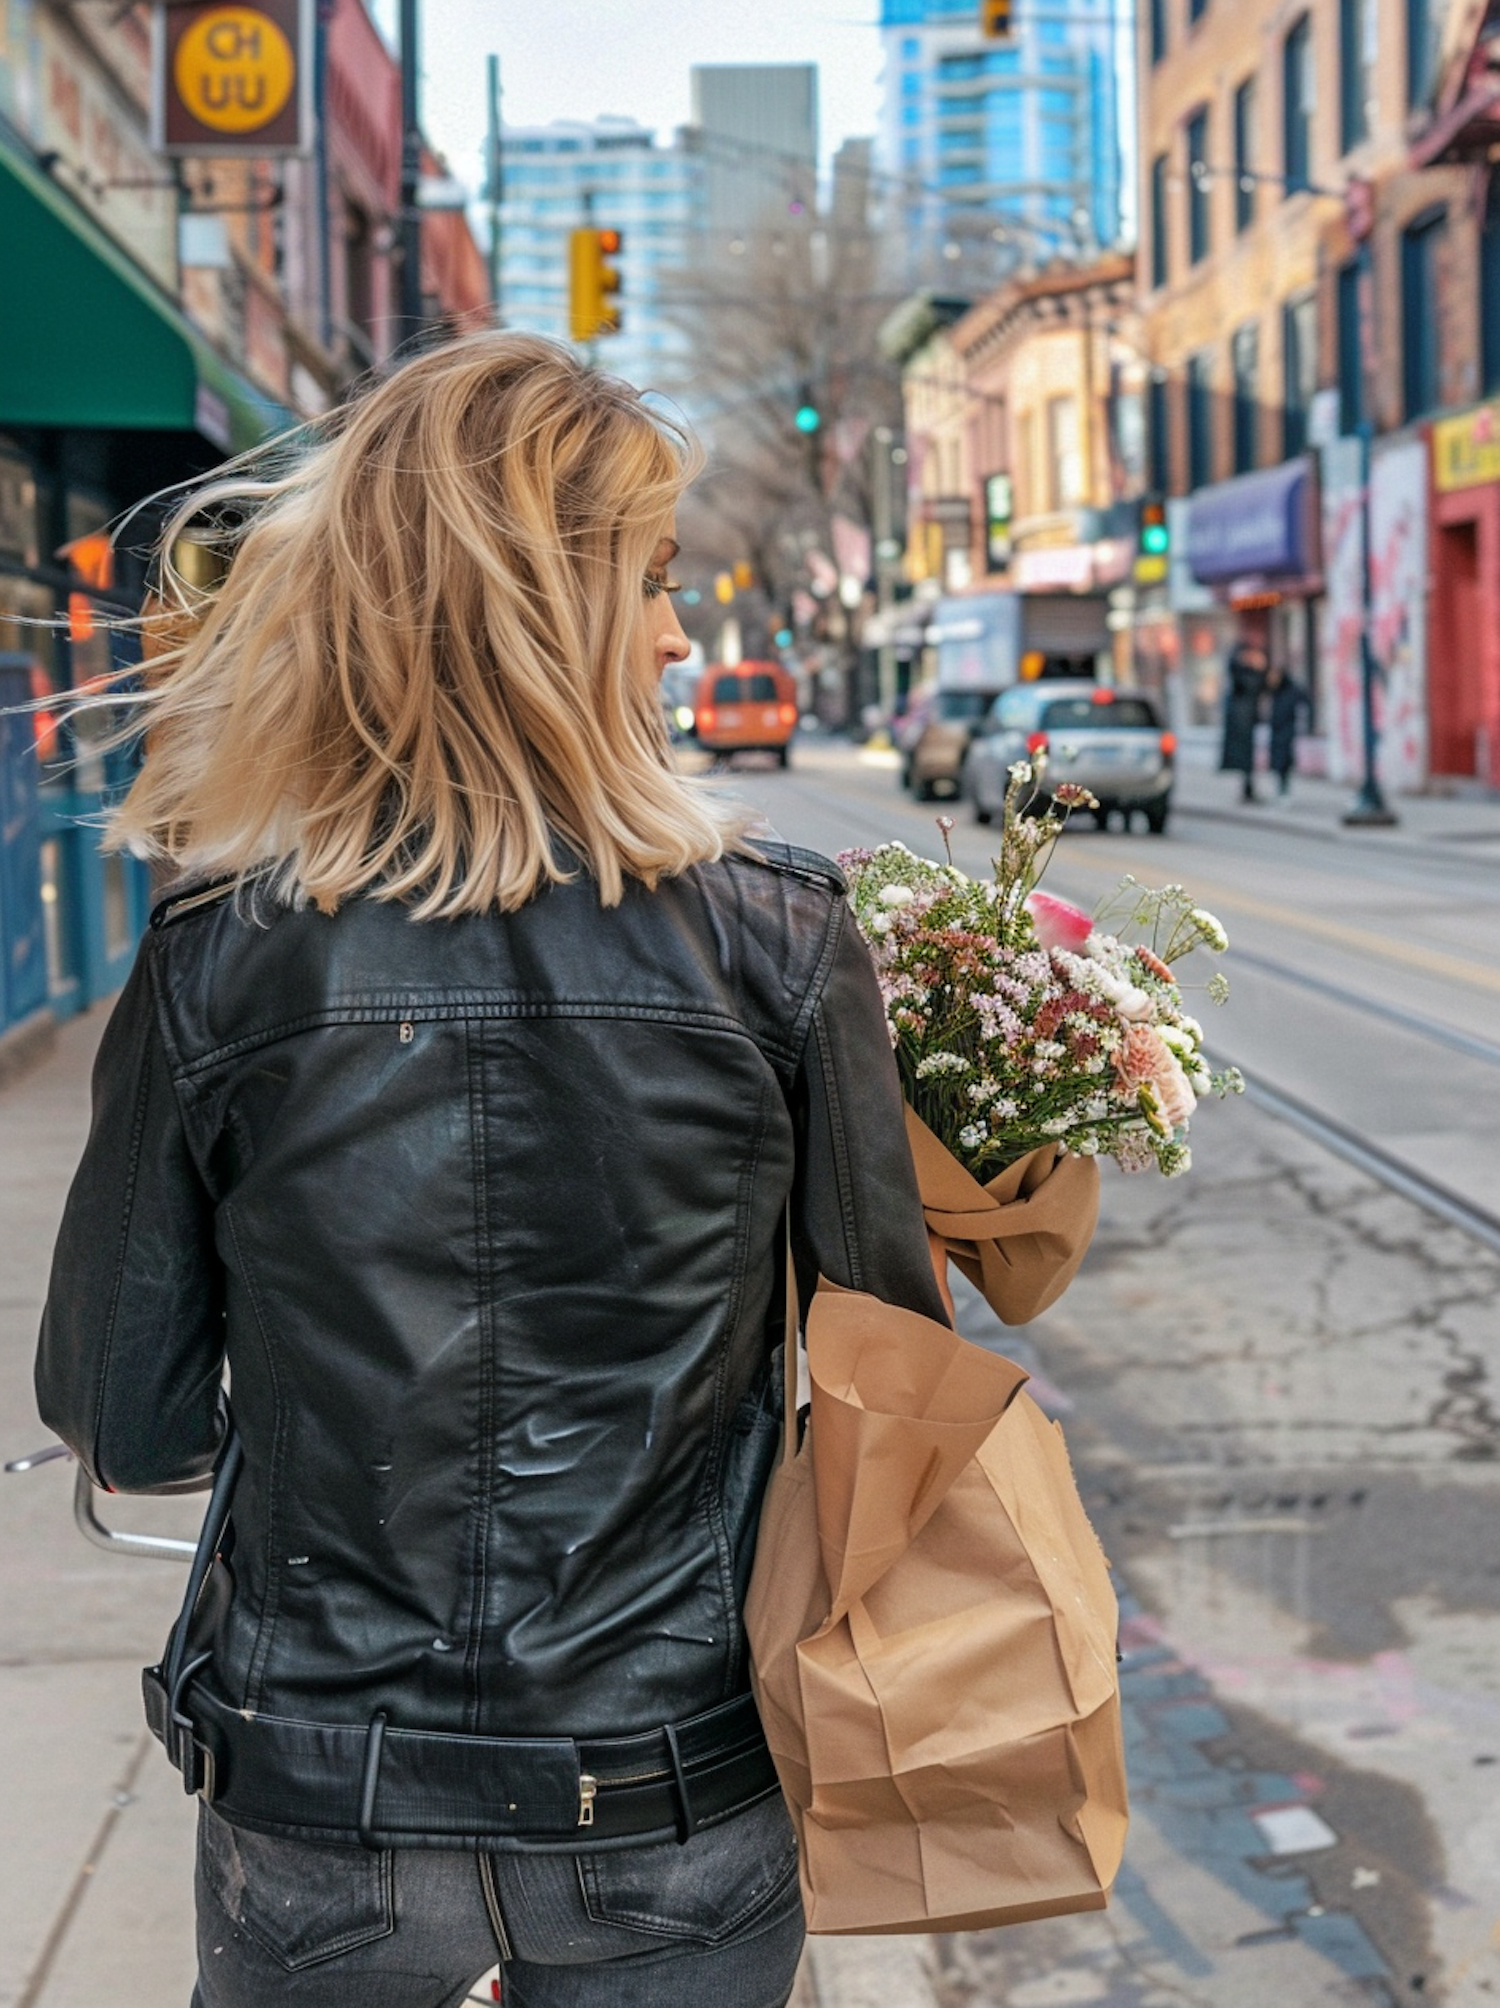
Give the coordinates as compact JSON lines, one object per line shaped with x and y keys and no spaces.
{"x":234,"y":69}
{"x":1466,"y":451}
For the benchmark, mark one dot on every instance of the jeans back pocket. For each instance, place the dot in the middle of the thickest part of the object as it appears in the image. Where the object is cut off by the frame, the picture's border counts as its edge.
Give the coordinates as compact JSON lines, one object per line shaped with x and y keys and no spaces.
{"x":716,"y":1886}
{"x":299,"y":1900}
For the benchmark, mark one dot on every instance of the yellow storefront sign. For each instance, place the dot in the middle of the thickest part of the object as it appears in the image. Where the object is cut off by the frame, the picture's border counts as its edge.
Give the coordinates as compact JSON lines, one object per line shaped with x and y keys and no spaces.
{"x":234,"y":69}
{"x":1466,"y":451}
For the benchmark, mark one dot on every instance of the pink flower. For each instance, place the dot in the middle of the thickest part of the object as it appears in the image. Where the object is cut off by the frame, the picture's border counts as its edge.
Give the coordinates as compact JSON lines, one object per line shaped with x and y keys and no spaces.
{"x":1058,"y":923}
{"x":1144,"y":1056}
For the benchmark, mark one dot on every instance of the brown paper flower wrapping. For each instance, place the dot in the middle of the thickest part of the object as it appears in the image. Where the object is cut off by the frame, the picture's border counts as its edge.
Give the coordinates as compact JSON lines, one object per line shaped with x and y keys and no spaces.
{"x":1020,"y":1238}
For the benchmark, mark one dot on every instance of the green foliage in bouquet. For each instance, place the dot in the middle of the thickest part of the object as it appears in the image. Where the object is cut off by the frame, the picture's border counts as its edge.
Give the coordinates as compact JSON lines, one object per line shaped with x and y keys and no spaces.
{"x":1016,"y":1021}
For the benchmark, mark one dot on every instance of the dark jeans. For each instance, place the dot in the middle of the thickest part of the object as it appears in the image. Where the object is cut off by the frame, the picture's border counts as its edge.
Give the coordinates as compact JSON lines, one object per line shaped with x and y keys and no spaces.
{"x":716,"y":1923}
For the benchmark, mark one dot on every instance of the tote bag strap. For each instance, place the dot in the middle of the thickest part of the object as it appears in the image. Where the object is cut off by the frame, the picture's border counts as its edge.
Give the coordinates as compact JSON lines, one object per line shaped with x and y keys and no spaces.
{"x":791,"y":1390}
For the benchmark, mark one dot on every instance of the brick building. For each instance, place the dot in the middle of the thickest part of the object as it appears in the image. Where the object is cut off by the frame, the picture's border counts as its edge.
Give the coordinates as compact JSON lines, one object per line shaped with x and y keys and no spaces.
{"x":1317,"y":289}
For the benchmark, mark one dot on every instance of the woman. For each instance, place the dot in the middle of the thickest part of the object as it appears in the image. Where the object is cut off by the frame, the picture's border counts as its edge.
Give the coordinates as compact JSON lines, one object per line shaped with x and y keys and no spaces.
{"x":1247,"y":676}
{"x":457,"y":1106}
{"x":1288,"y":700}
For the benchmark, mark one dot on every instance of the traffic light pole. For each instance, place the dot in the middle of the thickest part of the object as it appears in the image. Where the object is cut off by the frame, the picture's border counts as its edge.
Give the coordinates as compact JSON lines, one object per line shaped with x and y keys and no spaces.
{"x":411,"y":179}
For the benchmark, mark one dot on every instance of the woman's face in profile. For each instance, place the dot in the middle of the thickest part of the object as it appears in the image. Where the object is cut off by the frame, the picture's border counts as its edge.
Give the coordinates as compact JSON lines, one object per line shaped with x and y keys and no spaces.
{"x":665,"y":639}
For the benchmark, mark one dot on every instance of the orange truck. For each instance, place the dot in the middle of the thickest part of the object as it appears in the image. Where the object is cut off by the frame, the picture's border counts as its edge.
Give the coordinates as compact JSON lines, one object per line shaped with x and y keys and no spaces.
{"x":751,"y":708}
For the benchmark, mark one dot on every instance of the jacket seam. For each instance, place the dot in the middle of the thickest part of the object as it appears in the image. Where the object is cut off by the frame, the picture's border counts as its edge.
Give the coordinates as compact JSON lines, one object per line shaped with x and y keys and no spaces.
{"x":427,"y":1011}
{"x":714,"y":1466}
{"x":818,"y":1035}
{"x":265,"y":1630}
{"x":137,"y":1133}
{"x":833,"y":934}
{"x":484,"y":1446}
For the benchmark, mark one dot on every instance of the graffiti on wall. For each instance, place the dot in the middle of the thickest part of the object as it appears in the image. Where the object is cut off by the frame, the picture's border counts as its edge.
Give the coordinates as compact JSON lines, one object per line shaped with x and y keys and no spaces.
{"x":1398,"y":608}
{"x":1342,"y":615}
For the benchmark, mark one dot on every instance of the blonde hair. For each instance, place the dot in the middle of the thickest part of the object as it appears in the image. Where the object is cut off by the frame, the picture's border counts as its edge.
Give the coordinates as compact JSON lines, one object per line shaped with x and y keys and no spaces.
{"x":429,"y":657}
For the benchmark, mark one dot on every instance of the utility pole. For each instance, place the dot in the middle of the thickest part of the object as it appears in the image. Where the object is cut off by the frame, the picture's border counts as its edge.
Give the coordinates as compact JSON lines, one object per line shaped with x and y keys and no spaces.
{"x":495,"y":182}
{"x":411,"y":180}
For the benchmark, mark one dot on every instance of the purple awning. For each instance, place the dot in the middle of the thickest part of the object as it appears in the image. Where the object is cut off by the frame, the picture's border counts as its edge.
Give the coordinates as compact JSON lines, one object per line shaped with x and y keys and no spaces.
{"x":1257,"y":524}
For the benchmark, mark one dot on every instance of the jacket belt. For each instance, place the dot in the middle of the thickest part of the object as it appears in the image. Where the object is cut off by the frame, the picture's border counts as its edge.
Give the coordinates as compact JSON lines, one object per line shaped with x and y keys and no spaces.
{"x":386,"y":1786}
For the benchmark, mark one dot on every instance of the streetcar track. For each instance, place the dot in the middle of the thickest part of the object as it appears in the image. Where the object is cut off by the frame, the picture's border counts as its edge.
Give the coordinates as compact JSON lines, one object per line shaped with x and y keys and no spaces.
{"x":1376,"y":1162}
{"x":1469,"y":1043}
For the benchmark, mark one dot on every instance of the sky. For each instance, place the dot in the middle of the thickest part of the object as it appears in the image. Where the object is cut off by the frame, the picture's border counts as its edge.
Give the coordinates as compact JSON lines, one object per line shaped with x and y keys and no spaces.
{"x":568,"y":59}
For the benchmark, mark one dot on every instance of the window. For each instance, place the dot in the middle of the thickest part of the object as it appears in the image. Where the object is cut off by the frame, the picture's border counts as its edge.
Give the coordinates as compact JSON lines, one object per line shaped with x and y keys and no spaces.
{"x":1245,"y":356}
{"x":1198,"y":189}
{"x":1422,"y":245}
{"x":1297,"y":105}
{"x":1489,"y":291}
{"x":1064,"y":452}
{"x":1103,"y":712}
{"x":1351,"y":349}
{"x":1244,"y":155}
{"x":1299,"y":362}
{"x":1357,"y":44}
{"x":1420,"y":51}
{"x":1157,"y":19}
{"x":1159,"y":220}
{"x":1200,"y":419}
{"x":1159,"y":433}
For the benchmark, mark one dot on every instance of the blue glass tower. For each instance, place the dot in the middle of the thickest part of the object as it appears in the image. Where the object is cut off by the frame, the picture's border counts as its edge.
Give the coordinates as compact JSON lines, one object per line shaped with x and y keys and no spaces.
{"x":1003,"y":152}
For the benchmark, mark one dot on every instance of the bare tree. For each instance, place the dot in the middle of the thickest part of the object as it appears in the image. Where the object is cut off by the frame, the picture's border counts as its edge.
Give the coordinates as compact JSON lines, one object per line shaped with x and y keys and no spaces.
{"x":781,"y":319}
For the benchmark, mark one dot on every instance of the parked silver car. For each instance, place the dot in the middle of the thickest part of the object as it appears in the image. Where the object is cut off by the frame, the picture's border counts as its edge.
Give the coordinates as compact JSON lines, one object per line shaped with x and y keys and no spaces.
{"x":1110,"y":741}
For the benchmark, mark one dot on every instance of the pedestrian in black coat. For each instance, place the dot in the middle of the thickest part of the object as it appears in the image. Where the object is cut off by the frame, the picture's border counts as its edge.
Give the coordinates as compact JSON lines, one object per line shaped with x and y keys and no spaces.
{"x":1247,"y":678}
{"x":1289,"y":699}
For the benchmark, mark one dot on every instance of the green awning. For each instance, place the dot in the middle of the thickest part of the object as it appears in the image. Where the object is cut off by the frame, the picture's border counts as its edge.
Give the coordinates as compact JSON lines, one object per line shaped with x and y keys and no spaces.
{"x":86,"y":339}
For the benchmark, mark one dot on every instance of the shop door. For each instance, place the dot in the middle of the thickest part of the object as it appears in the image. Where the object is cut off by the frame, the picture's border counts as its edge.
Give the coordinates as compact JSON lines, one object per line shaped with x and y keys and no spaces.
{"x":1456,"y":664}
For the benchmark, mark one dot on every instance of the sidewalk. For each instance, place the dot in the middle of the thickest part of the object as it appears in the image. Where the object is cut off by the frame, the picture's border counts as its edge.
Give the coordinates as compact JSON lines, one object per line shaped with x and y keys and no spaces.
{"x":96,"y":1901}
{"x":1316,"y":808}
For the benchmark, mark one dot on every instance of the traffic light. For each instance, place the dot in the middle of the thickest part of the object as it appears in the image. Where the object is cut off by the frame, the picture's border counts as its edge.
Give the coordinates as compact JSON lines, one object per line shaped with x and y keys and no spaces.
{"x":594,"y":284}
{"x":996,"y":20}
{"x":1154,"y":543}
{"x":807,"y":417}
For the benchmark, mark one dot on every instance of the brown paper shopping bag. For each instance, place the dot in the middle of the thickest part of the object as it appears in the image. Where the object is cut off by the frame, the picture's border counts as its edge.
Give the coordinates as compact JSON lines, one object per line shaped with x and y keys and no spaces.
{"x":932,"y":1634}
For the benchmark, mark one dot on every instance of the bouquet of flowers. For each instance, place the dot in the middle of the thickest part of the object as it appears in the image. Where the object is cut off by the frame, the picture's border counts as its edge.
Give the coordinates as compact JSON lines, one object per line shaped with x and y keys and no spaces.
{"x":1020,"y":1024}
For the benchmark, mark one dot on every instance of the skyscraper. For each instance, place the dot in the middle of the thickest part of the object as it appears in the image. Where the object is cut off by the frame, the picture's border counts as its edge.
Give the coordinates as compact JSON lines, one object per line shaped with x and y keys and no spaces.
{"x":1003,"y":152}
{"x":613,"y":170}
{"x":756,"y":126}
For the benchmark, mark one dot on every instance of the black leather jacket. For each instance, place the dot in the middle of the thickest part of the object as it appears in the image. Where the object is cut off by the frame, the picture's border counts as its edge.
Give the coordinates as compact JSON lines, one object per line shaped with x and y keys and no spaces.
{"x":485,"y":1216}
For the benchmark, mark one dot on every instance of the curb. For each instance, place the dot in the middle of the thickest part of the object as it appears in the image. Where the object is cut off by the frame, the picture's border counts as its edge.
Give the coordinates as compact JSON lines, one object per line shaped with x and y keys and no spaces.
{"x":1402,"y":839}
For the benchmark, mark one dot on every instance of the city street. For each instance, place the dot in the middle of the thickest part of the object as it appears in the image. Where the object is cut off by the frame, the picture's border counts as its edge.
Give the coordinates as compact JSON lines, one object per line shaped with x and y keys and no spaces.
{"x":1274,"y":1375}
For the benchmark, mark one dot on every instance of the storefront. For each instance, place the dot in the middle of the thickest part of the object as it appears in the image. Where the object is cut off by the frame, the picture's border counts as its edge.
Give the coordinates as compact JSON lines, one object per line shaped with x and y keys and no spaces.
{"x":1253,"y":543}
{"x":107,"y":395}
{"x":1463,"y":676}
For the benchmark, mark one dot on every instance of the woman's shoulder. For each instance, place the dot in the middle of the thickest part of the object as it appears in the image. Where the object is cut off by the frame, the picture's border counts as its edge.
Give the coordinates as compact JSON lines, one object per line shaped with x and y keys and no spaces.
{"x":792,"y":860}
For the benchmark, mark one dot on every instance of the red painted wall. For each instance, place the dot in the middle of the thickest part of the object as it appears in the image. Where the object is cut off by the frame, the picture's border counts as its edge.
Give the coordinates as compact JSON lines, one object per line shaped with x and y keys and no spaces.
{"x":1463,"y":663}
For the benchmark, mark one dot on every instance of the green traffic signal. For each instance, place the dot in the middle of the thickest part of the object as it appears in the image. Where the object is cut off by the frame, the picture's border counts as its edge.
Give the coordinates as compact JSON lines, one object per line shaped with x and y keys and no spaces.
{"x":808,"y":418}
{"x":1154,"y":540}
